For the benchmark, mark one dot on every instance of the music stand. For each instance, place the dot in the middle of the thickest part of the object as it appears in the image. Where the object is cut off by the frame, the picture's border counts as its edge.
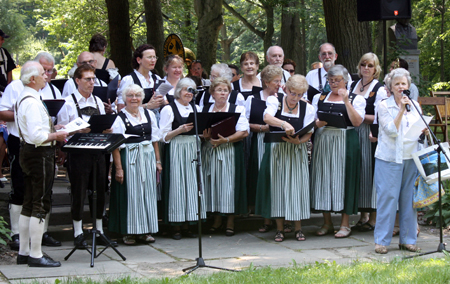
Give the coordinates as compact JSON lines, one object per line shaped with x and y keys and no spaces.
{"x":441,"y":245}
{"x":94,"y":230}
{"x":199,"y":259}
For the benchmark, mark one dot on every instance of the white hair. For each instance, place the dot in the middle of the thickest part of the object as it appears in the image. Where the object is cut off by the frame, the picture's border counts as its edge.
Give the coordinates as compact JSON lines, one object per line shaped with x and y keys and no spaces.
{"x":268,"y":50}
{"x":399,"y":73}
{"x":132,"y":88}
{"x":224,"y":71}
{"x":47,"y":56}
{"x":183,"y":83}
{"x":29,"y":69}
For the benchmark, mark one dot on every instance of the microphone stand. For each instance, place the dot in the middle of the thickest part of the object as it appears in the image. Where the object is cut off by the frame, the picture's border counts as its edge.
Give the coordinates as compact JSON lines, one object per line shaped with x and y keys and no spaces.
{"x":200,"y":260}
{"x":439,"y":150}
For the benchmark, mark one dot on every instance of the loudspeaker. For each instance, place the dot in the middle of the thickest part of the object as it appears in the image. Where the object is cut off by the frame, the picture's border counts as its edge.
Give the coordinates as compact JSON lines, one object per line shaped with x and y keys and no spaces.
{"x":375,"y":10}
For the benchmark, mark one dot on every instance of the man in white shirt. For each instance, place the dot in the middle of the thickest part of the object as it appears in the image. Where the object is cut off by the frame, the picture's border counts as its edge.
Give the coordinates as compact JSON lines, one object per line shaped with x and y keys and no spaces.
{"x":318,"y":78}
{"x":37,"y":158}
{"x":12,"y":92}
{"x":275,"y":56}
{"x":82,"y":103}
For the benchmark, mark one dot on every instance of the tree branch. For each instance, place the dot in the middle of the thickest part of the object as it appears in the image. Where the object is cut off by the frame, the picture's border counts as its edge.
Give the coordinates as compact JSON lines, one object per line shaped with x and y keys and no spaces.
{"x":137,"y":18}
{"x":255,"y":4}
{"x":243,"y":20}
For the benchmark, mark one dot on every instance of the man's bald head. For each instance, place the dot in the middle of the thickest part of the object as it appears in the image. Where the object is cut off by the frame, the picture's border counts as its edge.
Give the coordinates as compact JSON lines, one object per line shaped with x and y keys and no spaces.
{"x":86,"y":58}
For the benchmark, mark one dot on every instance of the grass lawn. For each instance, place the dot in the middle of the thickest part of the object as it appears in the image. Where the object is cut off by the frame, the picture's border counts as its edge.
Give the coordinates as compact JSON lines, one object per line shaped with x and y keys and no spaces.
{"x":417,"y":270}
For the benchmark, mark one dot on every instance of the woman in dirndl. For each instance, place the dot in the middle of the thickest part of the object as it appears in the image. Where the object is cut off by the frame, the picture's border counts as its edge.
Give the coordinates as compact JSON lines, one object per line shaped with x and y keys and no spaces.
{"x":133,"y":209}
{"x":336,"y":158}
{"x":180,"y":189}
{"x":283,"y":182}
{"x":223,"y":162}
{"x":373,"y":91}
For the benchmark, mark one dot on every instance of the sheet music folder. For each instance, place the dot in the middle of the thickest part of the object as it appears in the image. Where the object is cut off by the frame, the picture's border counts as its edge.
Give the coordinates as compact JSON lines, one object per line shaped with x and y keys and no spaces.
{"x":276,"y":136}
{"x":99,"y":123}
{"x":107,"y":92}
{"x":54,"y":106}
{"x":206,"y":119}
{"x":332,"y":118}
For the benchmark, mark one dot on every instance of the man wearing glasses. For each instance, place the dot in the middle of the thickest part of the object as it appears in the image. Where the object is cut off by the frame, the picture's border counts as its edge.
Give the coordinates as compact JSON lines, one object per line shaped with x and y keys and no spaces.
{"x":317,"y":78}
{"x":83,"y":104}
{"x":12,"y":92}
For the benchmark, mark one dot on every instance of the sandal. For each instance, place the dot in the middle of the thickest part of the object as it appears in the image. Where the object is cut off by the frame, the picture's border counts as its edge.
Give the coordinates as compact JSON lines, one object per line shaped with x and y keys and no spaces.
{"x":396,"y":231}
{"x":367,"y":227}
{"x":214,"y":230}
{"x":299,"y":236}
{"x":265,"y":228}
{"x":287,"y":228}
{"x":279,"y":236}
{"x":412,"y":248}
{"x":176,"y":235}
{"x":129,"y":240}
{"x":359,"y":224}
{"x":380,"y":249}
{"x":229,"y":232}
{"x":325,"y":230}
{"x":343,"y":232}
{"x":146,"y":238}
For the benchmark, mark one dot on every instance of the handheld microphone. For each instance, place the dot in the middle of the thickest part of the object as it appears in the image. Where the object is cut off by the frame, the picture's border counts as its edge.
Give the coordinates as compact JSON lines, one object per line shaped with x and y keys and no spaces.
{"x":192,"y":90}
{"x":407,"y":93}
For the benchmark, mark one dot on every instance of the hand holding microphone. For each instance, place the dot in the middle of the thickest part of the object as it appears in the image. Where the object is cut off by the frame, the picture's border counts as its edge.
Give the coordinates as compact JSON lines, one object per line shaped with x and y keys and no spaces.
{"x":407,"y":106}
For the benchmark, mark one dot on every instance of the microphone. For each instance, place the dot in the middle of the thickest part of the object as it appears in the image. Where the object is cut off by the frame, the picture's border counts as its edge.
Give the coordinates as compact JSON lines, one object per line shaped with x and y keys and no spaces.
{"x":192,"y":90}
{"x":407,"y":93}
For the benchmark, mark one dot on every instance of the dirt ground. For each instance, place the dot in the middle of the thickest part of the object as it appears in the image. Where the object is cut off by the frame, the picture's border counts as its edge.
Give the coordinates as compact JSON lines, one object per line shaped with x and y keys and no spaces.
{"x":7,"y":256}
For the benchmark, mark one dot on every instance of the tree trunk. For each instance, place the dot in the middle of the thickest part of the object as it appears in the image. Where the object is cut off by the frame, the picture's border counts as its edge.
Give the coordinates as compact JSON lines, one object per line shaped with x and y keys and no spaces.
{"x":225,"y":42}
{"x":291,"y":37}
{"x":119,"y":34}
{"x":155,"y":30}
{"x":351,"y":38}
{"x":209,"y":14}
{"x":269,"y":30}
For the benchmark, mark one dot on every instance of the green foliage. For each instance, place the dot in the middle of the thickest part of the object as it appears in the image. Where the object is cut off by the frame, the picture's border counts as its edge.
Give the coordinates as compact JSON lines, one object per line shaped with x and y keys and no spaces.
{"x":4,"y":231}
{"x":441,"y":86}
{"x":433,"y":212}
{"x":12,"y":23}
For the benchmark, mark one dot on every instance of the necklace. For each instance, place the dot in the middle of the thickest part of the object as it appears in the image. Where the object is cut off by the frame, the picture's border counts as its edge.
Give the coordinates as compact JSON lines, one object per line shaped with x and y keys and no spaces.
{"x":219,"y":110}
{"x":362,"y":82}
{"x":134,"y":114}
{"x":290,"y":109}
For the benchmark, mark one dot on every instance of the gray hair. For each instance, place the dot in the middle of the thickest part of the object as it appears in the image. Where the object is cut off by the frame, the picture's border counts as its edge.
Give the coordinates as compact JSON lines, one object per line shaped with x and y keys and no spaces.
{"x":338,"y":70}
{"x":224,"y":71}
{"x":320,"y":47}
{"x":398,"y":73}
{"x":268,"y":50}
{"x":132,"y":88}
{"x":183,"y":83}
{"x":29,"y":69}
{"x":387,"y":81}
{"x":47,"y":56}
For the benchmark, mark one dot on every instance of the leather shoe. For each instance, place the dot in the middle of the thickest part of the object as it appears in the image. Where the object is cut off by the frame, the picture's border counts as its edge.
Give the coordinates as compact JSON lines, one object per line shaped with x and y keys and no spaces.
{"x":22,"y":259}
{"x":14,"y":244}
{"x":44,"y":261}
{"x":101,"y":242}
{"x":49,"y":241}
{"x":80,"y":242}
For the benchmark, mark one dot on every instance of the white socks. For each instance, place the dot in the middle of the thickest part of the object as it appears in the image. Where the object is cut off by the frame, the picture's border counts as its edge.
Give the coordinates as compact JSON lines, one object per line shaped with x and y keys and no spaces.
{"x":14,"y":214}
{"x":99,"y":223}
{"x":36,"y":232}
{"x":77,"y":228}
{"x":24,"y":228}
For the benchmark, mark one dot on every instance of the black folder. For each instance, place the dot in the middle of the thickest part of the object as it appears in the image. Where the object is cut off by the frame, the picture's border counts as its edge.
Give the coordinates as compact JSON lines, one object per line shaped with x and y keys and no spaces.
{"x":59,"y":83}
{"x":54,"y":106}
{"x":335,"y":119}
{"x":206,"y":119}
{"x":311,"y":93}
{"x":107,"y":92}
{"x":99,"y":123}
{"x":276,"y":136}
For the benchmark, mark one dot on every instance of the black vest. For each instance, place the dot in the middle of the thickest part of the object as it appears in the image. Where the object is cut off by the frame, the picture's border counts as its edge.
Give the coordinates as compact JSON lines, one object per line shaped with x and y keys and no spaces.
{"x":177,"y":119}
{"x":231,"y":109}
{"x":102,"y":74}
{"x":297,"y":123}
{"x":332,"y":107}
{"x":231,"y":98}
{"x":147,"y":91}
{"x":370,"y":101}
{"x":237,"y":88}
{"x":143,"y":130}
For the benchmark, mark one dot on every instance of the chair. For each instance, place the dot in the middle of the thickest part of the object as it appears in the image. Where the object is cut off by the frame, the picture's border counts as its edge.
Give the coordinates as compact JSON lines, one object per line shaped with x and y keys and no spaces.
{"x":441,"y":118}
{"x":441,"y":94}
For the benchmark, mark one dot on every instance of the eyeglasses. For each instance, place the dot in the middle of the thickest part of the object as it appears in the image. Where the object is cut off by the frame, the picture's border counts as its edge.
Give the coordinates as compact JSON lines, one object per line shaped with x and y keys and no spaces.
{"x":323,"y":54}
{"x":295,"y":95}
{"x":50,"y":71}
{"x":291,"y":71}
{"x":153,"y":57}
{"x":221,"y":91}
{"x":276,"y":82}
{"x":367,"y":65}
{"x":134,"y":96}
{"x":88,"y":62}
{"x":332,"y":82}
{"x":90,"y":79}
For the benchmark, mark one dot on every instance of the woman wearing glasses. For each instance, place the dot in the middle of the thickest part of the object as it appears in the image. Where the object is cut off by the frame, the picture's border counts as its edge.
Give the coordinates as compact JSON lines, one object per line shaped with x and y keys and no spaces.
{"x":369,"y":70}
{"x":336,"y":159}
{"x":283,"y":182}
{"x":133,"y":209}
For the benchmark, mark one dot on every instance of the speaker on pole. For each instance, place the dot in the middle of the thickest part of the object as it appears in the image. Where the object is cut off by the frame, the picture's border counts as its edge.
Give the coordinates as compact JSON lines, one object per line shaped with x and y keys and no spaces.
{"x":375,"y":10}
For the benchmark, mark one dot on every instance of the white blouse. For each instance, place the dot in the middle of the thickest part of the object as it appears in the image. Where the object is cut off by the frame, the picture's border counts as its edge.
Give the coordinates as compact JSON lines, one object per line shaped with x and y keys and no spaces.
{"x":359,"y":104}
{"x":272,"y":108}
{"x":242,"y":124}
{"x":167,"y":117}
{"x":128,"y":80}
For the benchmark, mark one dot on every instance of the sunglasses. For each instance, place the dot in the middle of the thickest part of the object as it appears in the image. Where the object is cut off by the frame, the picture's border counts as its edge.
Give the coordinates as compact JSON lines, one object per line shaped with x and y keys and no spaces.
{"x":367,"y":65}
